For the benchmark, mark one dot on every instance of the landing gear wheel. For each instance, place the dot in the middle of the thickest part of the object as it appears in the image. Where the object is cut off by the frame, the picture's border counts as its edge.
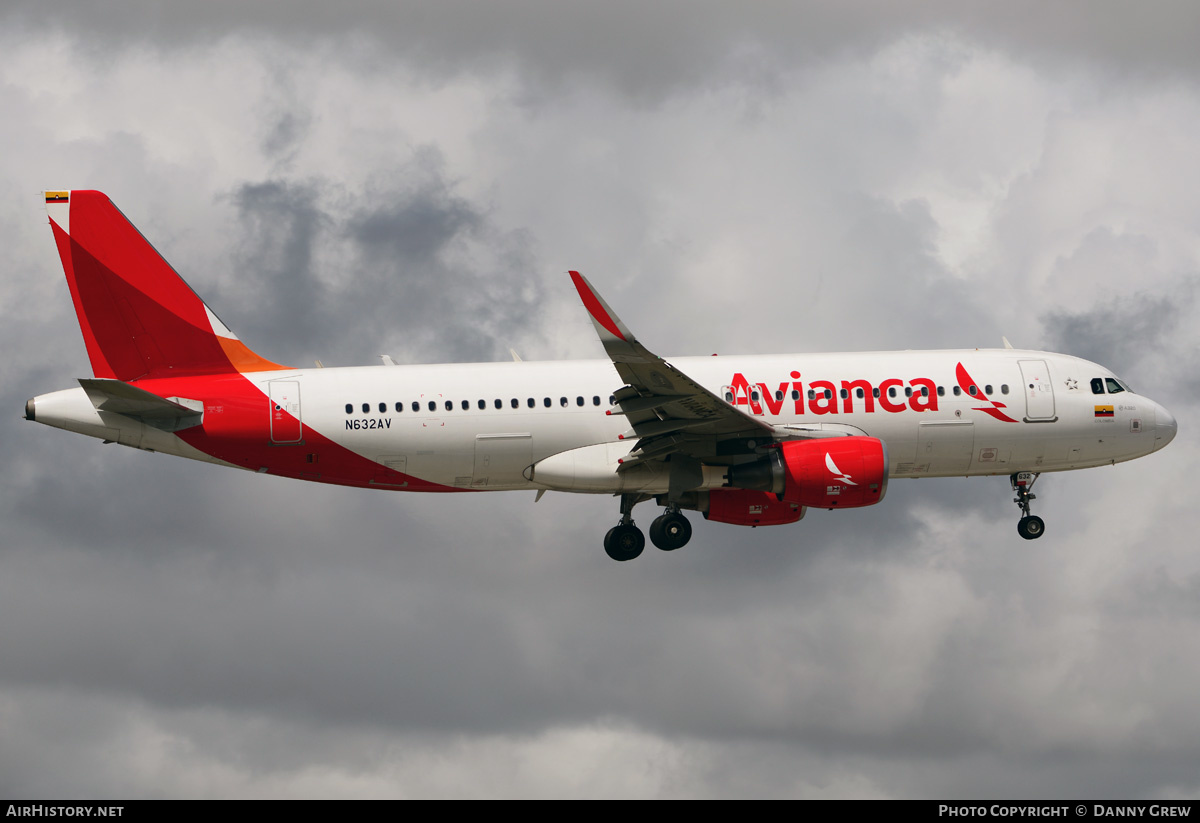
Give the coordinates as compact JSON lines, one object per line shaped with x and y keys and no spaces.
{"x":1031,"y":527}
{"x":624,"y":542}
{"x":670,"y":531}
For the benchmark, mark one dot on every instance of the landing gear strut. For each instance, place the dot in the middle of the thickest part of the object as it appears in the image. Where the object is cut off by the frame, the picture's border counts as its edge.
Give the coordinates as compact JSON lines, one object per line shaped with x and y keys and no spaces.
{"x":1029,"y":526}
{"x":625,"y":541}
{"x":670,"y":530}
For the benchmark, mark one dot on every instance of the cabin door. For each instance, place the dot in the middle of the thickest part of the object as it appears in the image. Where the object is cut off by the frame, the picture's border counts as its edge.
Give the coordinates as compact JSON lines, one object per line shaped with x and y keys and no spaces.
{"x":1039,"y":391}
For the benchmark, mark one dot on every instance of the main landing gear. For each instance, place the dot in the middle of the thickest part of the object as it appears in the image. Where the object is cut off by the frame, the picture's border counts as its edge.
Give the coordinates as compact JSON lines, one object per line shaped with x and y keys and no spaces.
{"x":1029,"y":526}
{"x":625,"y":541}
{"x":670,"y":530}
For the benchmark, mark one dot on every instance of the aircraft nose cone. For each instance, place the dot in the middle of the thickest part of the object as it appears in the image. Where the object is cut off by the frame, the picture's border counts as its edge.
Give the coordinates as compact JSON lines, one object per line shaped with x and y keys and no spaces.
{"x":1165,"y":427}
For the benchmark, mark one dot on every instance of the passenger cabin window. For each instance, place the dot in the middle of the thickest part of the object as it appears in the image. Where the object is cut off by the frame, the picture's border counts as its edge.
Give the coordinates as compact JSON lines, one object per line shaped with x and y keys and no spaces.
{"x":579,"y":400}
{"x":728,"y":397}
{"x":499,"y":403}
{"x":349,"y":408}
{"x":546,"y":402}
{"x":466,"y":405}
{"x":891,"y":391}
{"x":941,"y":391}
{"x":530,"y":402}
{"x":416,"y":406}
{"x":875,"y":391}
{"x":844,"y":393}
{"x":432,"y":406}
{"x":812,"y":394}
{"x":957,"y":391}
{"x":754,"y":396}
{"x":366,"y":408}
{"x":1004,"y":388}
{"x":383,"y":408}
{"x":973,"y":390}
{"x":595,"y":400}
{"x":795,"y":394}
{"x":1113,"y":386}
{"x":449,"y":405}
{"x":516,"y":404}
{"x":908,"y":391}
{"x":778,"y":395}
{"x":987,"y":389}
{"x":482,"y":404}
{"x":562,"y":401}
{"x":399,"y":406}
{"x":859,"y":393}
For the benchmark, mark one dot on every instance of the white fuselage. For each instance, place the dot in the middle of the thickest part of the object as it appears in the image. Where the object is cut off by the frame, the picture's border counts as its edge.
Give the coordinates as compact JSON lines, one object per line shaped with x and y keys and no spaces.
{"x":483,"y":426}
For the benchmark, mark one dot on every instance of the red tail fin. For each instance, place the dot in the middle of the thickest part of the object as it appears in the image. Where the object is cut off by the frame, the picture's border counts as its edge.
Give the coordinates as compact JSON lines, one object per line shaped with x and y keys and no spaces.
{"x":138,"y":317}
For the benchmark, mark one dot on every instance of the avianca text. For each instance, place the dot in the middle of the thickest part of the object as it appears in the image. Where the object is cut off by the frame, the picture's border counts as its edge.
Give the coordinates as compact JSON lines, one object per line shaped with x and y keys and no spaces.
{"x":920,"y":395}
{"x":825,"y":396}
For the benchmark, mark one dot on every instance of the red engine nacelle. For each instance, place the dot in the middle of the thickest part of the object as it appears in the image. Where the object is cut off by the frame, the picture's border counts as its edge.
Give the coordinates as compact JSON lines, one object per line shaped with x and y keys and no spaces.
{"x":834,"y":472}
{"x":745,"y":507}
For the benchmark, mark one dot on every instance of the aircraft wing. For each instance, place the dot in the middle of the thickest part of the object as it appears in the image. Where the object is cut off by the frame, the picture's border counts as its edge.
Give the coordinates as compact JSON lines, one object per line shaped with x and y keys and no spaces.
{"x":668,"y":412}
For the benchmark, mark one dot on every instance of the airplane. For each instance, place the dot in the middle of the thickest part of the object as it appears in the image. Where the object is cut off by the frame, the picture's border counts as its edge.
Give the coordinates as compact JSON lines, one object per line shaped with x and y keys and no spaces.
{"x":748,"y":441}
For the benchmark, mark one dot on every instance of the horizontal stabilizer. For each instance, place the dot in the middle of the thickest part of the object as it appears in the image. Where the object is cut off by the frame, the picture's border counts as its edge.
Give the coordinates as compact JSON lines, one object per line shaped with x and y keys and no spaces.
{"x":169,"y":414}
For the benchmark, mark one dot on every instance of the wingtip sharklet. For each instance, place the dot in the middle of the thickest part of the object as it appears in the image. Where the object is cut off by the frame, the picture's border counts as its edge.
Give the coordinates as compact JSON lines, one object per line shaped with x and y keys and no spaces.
{"x":606,"y":321}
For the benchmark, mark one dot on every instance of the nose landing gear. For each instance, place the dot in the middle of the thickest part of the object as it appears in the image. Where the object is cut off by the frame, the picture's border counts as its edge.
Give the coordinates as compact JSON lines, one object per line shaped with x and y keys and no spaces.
{"x":1029,"y":526}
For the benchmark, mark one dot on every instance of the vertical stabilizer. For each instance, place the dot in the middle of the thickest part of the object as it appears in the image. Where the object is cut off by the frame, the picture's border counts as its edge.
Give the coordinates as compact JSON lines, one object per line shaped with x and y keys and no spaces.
{"x":138,"y":317}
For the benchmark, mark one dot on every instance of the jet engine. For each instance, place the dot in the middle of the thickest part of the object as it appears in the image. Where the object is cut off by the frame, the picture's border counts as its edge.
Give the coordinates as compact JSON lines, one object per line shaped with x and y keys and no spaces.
{"x":826,"y":473}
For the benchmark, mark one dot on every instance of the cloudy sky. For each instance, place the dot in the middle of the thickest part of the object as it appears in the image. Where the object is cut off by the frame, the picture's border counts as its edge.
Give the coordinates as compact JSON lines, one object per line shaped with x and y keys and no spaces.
{"x":344,"y":180}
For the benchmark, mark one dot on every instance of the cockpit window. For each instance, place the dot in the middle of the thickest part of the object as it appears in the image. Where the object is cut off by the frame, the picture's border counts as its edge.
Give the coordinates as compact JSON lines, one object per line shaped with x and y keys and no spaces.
{"x":1114,"y":387}
{"x":1097,"y":385}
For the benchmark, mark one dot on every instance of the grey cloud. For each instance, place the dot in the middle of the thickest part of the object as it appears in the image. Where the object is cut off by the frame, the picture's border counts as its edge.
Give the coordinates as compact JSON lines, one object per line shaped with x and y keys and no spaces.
{"x":889,"y":271}
{"x":285,"y":132}
{"x":647,"y":50}
{"x":283,"y":223}
{"x":416,"y":271}
{"x":1130,"y":334}
{"x":1103,"y":334}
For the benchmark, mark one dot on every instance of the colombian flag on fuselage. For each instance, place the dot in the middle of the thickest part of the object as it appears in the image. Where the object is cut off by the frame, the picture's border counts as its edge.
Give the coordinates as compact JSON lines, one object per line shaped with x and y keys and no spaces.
{"x":1104,"y":411}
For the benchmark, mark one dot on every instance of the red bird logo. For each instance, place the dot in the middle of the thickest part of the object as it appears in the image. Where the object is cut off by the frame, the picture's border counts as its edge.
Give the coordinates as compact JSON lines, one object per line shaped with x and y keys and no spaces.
{"x":966,"y":383}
